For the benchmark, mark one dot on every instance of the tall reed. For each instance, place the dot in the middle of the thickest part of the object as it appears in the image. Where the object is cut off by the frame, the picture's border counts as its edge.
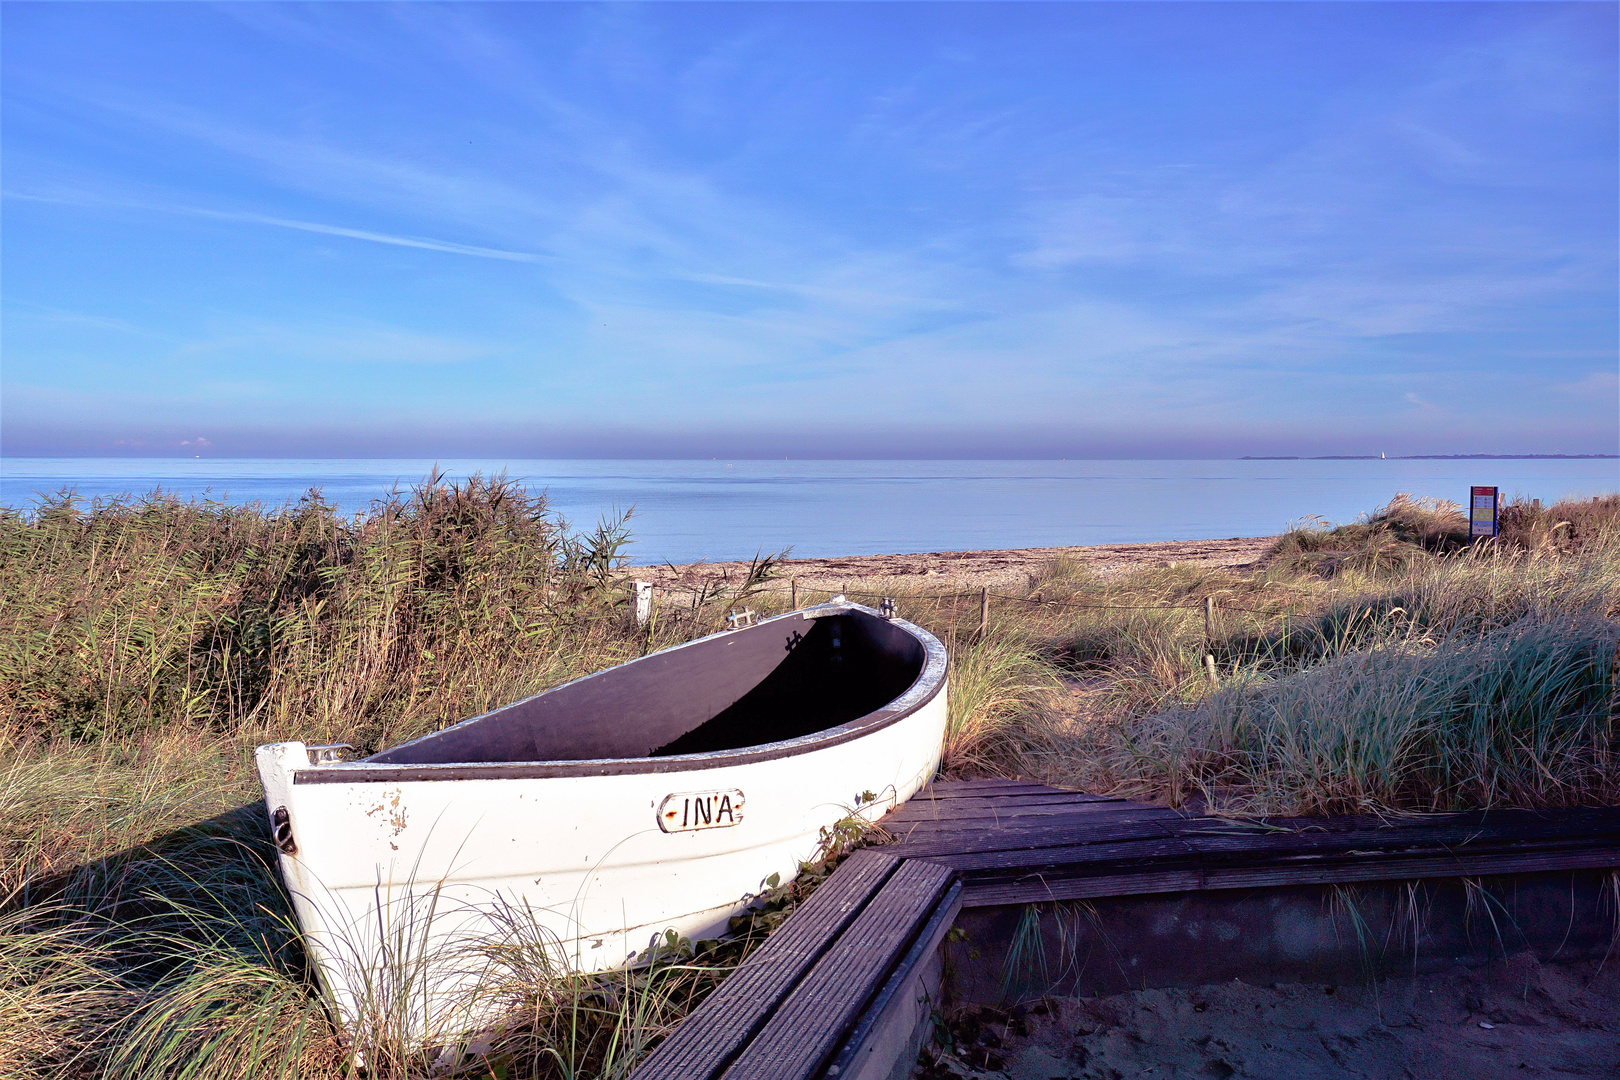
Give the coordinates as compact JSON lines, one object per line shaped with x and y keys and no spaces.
{"x":136,"y":614}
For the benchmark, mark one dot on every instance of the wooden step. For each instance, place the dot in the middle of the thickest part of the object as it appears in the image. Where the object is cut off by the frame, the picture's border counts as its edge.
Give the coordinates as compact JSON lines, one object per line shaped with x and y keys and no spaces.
{"x":708,"y":1040}
{"x":813,"y":1019}
{"x":840,"y":989}
{"x":841,"y":964}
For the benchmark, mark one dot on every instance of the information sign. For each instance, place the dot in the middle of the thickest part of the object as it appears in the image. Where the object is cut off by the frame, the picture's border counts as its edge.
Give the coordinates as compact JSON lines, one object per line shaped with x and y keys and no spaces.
{"x":1482,"y":515}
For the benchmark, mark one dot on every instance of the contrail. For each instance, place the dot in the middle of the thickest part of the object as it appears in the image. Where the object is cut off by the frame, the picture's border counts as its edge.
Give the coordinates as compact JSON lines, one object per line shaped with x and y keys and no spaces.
{"x":423,"y":242}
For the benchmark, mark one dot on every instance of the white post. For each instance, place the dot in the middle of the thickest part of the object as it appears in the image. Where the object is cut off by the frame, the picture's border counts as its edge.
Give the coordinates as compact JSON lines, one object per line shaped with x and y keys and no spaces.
{"x":643,"y":592}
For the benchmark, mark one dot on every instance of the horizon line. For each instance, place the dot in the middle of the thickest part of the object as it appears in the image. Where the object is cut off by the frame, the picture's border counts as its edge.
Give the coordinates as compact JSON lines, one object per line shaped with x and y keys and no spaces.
{"x":785,"y":457}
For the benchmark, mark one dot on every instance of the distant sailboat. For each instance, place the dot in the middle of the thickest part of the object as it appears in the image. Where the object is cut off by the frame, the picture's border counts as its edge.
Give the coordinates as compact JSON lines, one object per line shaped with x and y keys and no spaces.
{"x":1381,"y":456}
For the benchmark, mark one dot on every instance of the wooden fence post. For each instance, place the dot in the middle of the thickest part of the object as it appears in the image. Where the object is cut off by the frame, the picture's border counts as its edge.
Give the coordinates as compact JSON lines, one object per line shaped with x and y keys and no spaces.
{"x":984,"y":611}
{"x":793,"y":588}
{"x":1209,"y":641}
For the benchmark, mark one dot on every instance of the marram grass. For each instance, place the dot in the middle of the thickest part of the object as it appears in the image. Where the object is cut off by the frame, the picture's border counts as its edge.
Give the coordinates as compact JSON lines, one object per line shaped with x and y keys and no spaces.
{"x":147,"y":644}
{"x":1522,"y":715}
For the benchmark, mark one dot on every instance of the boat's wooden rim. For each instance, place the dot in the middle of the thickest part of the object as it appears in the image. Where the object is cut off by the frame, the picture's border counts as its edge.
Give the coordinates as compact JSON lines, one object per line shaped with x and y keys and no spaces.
{"x":929,"y":682}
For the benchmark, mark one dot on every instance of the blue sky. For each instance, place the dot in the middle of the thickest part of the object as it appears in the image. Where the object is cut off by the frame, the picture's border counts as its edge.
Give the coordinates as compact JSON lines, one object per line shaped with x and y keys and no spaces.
{"x":821,"y":230}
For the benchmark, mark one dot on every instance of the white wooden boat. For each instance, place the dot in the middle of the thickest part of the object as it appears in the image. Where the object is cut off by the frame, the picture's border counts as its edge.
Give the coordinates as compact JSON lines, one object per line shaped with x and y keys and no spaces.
{"x":657,"y":795}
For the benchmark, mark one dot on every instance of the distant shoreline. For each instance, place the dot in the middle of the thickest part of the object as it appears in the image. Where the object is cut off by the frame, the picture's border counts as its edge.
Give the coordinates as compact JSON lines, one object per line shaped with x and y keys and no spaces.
{"x":1432,"y":457}
{"x":219,"y":459}
{"x":991,"y":568}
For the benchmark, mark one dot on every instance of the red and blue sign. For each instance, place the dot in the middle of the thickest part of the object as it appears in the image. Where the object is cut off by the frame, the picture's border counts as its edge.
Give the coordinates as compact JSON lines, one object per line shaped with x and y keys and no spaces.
{"x":1483,"y":512}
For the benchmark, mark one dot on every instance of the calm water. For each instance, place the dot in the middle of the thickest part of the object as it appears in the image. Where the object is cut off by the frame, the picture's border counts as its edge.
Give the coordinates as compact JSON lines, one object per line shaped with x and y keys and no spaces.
{"x":689,"y":510}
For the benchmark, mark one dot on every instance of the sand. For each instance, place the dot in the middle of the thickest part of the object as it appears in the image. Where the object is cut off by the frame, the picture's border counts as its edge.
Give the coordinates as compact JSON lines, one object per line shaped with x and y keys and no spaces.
{"x":1514,"y":1018}
{"x":973,"y":569}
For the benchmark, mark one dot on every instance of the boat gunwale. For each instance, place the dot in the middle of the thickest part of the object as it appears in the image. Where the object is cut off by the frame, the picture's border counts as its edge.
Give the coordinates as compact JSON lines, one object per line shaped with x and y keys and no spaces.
{"x":927,"y":685}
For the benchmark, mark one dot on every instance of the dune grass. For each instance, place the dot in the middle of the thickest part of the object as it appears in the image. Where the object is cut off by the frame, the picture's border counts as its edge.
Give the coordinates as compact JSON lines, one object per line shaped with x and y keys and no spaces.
{"x":143,"y":614}
{"x":1517,"y":716}
{"x":149,"y":644}
{"x":1383,"y":666}
{"x":1448,"y":678}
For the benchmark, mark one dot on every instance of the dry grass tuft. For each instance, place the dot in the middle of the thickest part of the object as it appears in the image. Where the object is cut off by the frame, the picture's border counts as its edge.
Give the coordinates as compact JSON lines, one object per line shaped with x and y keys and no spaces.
{"x":1522,"y":715}
{"x":137,"y":614}
{"x":995,"y":684}
{"x":1562,"y":528}
{"x":1409,"y":531}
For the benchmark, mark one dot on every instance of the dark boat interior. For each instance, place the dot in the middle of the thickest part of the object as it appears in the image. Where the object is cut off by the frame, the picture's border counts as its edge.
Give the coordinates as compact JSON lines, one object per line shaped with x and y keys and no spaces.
{"x":781,"y":679}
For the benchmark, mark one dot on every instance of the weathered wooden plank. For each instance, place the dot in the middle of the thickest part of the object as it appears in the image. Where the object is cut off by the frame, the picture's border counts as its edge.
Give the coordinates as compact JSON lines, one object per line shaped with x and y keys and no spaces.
{"x":1206,"y":863}
{"x":806,"y":1028}
{"x":1150,"y":857}
{"x":1028,"y":847}
{"x":982,"y":810}
{"x":987,"y":809}
{"x":956,"y":789}
{"x":1057,"y":818}
{"x":931,"y":795}
{"x":1040,"y":843}
{"x":1052,"y":800}
{"x":985,"y":783}
{"x":1007,"y":847}
{"x":716,"y":1031}
{"x":1040,"y":888}
{"x":1047,"y":817}
{"x":1008,"y":810}
{"x":1387,"y":865}
{"x":1554,"y":821}
{"x":889,"y":1029}
{"x":950,"y":807}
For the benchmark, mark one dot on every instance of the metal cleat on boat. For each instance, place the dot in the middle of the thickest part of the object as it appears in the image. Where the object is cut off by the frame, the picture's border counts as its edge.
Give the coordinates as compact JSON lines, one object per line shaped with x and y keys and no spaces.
{"x":328,"y":753}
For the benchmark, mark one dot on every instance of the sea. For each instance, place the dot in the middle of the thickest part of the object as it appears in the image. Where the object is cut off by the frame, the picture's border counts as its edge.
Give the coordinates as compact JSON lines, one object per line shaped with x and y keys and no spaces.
{"x":686,"y":511}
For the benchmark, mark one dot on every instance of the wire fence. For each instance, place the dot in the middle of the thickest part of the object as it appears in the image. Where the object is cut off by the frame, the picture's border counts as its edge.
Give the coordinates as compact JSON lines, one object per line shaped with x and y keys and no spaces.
{"x":985,"y":595}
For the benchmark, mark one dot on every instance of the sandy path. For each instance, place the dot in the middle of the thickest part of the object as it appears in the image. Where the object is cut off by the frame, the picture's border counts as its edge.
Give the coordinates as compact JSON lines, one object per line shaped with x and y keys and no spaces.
{"x":1514,"y":1018}
{"x":971,"y":569}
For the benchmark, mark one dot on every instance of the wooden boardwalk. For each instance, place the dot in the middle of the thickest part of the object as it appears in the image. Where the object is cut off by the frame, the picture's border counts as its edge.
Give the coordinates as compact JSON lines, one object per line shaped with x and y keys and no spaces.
{"x":1019,"y":843}
{"x":828,"y":992}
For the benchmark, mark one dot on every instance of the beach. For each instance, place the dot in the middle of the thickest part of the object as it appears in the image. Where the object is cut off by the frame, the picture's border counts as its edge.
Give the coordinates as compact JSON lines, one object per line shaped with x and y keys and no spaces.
{"x":1000,"y":568}
{"x":1514,"y":1017}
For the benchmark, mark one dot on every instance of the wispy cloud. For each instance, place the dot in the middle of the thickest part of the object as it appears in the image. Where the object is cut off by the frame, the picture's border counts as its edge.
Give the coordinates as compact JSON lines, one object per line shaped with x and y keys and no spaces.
{"x":247,"y":217}
{"x":263,"y":344}
{"x":740,"y":217}
{"x":48,"y":314}
{"x":422,"y":242}
{"x":1600,"y":384}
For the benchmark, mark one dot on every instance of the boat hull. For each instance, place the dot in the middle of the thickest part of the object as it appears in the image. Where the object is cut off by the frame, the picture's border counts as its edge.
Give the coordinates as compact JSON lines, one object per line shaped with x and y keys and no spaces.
{"x":404,"y":877}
